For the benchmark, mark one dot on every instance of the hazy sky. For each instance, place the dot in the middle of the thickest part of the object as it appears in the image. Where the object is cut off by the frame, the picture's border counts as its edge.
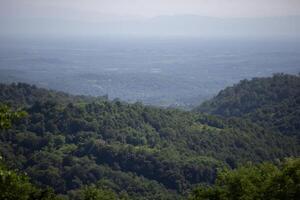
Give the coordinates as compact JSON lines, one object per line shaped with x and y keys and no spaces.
{"x":139,"y":17}
{"x":147,"y":8}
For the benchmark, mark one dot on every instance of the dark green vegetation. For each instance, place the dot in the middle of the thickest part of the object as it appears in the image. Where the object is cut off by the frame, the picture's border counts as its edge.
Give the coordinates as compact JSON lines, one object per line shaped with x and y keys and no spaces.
{"x":270,"y":102}
{"x":7,"y":116}
{"x":259,"y":182}
{"x":16,"y":186}
{"x":83,"y":145}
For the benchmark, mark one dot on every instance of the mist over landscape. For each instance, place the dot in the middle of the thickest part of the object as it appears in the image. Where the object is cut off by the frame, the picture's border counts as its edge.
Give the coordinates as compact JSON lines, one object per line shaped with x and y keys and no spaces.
{"x":149,"y":100}
{"x":165,"y":72}
{"x":158,"y":53}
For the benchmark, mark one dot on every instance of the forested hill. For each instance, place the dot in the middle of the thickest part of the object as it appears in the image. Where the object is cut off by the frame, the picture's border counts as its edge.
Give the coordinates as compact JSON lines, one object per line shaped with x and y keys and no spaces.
{"x":22,"y":94}
{"x":272,"y":102}
{"x":135,"y":151}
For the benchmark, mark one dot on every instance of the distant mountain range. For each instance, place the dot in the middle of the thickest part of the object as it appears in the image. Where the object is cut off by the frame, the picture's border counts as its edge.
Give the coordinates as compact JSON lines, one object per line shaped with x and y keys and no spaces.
{"x":177,"y":25}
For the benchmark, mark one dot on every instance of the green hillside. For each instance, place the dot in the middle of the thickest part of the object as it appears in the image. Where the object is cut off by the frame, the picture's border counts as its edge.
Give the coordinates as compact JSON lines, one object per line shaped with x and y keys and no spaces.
{"x":260,"y":182}
{"x":270,"y":102}
{"x":138,"y":152}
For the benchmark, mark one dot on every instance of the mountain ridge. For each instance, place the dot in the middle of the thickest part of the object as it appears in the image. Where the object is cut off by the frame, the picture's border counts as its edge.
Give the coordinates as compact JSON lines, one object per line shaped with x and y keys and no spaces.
{"x":271,"y":102}
{"x":68,"y":142}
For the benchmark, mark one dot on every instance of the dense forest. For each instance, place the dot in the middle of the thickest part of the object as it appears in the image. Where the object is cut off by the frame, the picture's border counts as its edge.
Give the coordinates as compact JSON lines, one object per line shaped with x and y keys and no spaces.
{"x":272,"y":102}
{"x":81,"y":147}
{"x":259,"y":182}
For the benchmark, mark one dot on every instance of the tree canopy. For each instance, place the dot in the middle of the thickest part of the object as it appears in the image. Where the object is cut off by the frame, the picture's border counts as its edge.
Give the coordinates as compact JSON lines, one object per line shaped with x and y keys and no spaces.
{"x":272,"y":102}
{"x":259,"y":182}
{"x":75,"y":144}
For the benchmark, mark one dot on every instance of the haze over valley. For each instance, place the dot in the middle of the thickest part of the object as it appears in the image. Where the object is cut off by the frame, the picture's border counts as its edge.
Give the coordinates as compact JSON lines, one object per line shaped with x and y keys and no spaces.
{"x":160,"y":53}
{"x":149,"y":100}
{"x":165,"y":72}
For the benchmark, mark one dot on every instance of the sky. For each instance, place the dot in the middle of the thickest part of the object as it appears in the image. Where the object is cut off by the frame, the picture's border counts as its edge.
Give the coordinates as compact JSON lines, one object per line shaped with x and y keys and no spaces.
{"x":134,"y":17}
{"x":148,"y":8}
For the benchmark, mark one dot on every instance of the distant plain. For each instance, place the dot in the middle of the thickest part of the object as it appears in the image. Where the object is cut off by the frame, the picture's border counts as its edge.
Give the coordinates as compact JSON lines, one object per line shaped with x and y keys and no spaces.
{"x":162,"y":72}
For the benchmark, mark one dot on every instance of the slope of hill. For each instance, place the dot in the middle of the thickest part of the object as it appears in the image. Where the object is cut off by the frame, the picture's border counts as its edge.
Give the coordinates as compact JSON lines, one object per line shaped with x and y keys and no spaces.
{"x":67,"y":142}
{"x":270,"y":102}
{"x":259,"y":182}
{"x":22,"y":94}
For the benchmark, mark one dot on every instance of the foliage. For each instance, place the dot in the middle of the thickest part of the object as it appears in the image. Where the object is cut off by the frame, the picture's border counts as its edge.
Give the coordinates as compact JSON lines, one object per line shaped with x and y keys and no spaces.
{"x":94,"y":193}
{"x":16,"y":186}
{"x":76,"y":144}
{"x":259,"y":182}
{"x":270,"y":102}
{"x":7,"y":116}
